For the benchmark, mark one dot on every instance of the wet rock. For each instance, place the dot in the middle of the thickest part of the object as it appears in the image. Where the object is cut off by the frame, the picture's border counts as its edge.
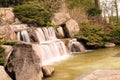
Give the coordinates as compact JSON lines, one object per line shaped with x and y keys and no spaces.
{"x":7,"y":33}
{"x":76,"y":46}
{"x":107,"y":45}
{"x":24,"y":63}
{"x":32,"y":35}
{"x":66,"y":42}
{"x":3,"y":74}
{"x":47,"y":70}
{"x":72,"y":27}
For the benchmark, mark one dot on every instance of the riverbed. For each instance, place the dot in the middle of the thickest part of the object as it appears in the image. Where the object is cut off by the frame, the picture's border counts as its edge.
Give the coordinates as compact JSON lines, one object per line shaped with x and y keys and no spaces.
{"x":78,"y":64}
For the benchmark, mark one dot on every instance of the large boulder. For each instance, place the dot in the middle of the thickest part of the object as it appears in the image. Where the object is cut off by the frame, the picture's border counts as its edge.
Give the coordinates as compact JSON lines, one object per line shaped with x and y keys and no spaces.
{"x":7,"y":33}
{"x":3,"y":74}
{"x":60,"y":18}
{"x":24,"y":63}
{"x":72,"y":27}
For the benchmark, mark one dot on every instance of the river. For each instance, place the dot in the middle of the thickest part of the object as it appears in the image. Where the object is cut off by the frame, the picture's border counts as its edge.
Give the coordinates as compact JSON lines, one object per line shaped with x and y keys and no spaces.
{"x":79,"y":64}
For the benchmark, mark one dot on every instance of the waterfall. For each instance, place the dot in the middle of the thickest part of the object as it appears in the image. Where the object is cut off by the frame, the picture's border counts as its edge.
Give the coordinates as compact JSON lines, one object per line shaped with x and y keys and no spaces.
{"x":18,"y":36}
{"x":25,"y":36}
{"x":41,"y":38}
{"x":52,"y":33}
{"x":49,"y":48}
{"x":76,"y":47}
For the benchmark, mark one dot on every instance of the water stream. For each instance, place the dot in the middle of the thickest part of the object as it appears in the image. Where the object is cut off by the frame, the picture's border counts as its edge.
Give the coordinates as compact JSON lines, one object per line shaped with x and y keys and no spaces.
{"x":79,"y":64}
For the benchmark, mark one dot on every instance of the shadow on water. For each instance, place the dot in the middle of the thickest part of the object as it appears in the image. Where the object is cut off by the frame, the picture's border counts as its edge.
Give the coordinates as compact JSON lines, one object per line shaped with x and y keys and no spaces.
{"x":79,"y":64}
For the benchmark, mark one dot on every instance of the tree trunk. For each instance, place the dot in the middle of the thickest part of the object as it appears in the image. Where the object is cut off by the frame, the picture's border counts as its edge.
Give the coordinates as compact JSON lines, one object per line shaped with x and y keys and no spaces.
{"x":97,"y":3}
{"x":98,"y":19}
{"x":117,"y":15}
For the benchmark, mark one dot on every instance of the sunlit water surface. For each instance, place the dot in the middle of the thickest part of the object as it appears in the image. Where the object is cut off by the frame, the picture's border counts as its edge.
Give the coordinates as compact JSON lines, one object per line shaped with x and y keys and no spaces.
{"x":79,"y":64}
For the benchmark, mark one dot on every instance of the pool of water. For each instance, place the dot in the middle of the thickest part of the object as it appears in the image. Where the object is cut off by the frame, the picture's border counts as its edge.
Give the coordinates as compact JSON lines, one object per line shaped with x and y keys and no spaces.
{"x":79,"y":64}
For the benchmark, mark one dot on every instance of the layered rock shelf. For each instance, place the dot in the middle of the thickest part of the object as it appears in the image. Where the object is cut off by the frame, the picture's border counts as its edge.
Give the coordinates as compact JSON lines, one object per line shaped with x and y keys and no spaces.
{"x":101,"y":74}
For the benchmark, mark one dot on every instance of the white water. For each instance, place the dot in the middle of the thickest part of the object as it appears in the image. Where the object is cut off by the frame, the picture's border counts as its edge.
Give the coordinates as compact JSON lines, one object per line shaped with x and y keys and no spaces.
{"x":25,"y":36}
{"x":50,"y":49}
{"x":18,"y":36}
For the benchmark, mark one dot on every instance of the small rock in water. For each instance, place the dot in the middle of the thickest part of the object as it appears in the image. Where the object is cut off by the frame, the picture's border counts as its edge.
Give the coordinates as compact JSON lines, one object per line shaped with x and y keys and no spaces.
{"x":47,"y":70}
{"x":108,"y":45}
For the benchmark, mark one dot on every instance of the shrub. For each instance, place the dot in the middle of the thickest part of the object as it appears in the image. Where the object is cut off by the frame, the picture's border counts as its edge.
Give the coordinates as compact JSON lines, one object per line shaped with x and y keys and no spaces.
{"x":93,"y":11}
{"x":94,"y":36}
{"x":2,"y":60}
{"x":115,"y":35}
{"x":7,"y":3}
{"x":1,"y":49}
{"x":33,"y":14}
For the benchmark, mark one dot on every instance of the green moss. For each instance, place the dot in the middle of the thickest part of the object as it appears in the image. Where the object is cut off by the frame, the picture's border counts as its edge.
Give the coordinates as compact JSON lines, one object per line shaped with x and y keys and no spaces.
{"x":2,"y":60}
{"x":10,"y":43}
{"x":1,"y":49}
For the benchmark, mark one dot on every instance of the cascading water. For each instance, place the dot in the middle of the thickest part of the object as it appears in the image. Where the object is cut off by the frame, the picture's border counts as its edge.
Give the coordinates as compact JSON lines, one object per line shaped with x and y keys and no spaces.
{"x":50,"y":49}
{"x":76,"y":47}
{"x":25,"y":36}
{"x":52,"y":33}
{"x":18,"y":36}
